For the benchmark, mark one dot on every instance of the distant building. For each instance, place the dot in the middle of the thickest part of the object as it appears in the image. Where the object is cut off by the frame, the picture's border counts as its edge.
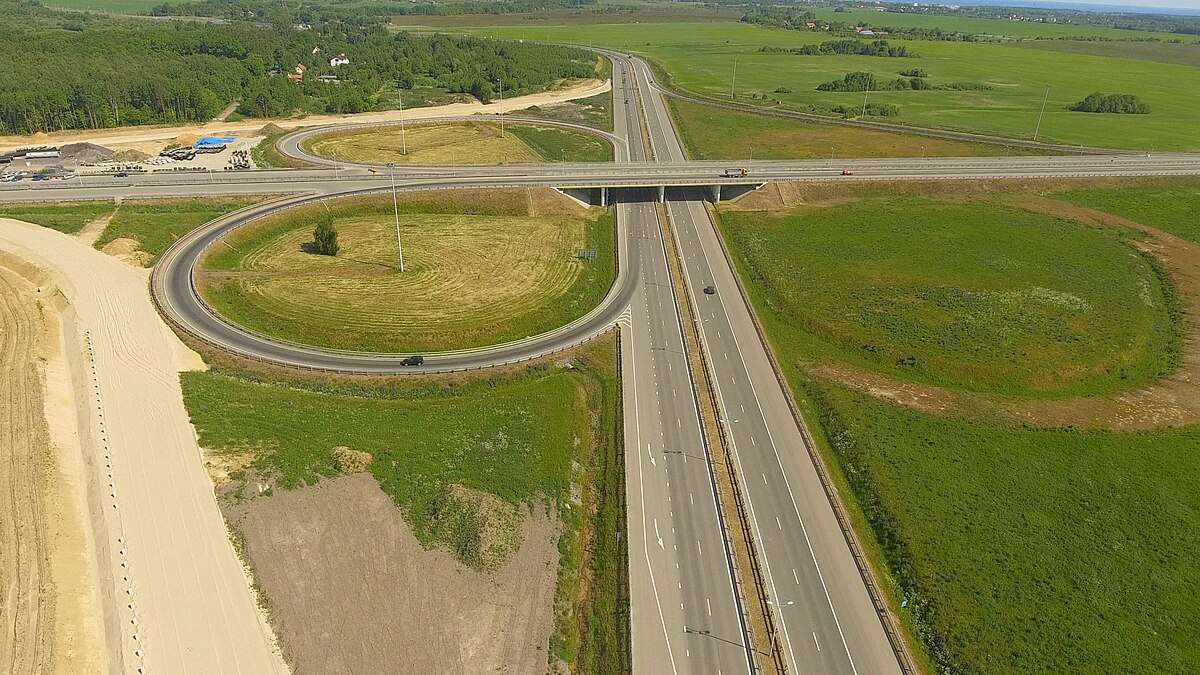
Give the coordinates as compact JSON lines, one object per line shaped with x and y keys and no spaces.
{"x":303,"y":26}
{"x":300,"y":68}
{"x":339,"y":60}
{"x":316,"y":50}
{"x":811,"y":24}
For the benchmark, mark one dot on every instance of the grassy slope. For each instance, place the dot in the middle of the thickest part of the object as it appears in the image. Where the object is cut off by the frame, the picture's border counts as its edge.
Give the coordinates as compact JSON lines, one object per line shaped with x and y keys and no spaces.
{"x":715,"y":133}
{"x":156,"y":223}
{"x":1019,"y":549}
{"x":458,"y":143}
{"x":1171,"y":209}
{"x":700,"y":56}
{"x":247,"y":304}
{"x":68,"y":218}
{"x":563,"y":145}
{"x":514,"y":437}
{"x":995,"y":299}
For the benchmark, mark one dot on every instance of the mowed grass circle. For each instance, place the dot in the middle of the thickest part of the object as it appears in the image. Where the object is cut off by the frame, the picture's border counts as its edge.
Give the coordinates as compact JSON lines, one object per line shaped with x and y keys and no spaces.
{"x":465,"y":143}
{"x":479,"y":270}
{"x":981,"y":297}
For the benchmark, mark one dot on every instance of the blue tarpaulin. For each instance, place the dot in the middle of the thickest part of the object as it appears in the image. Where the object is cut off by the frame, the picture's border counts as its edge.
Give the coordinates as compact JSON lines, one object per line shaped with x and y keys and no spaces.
{"x":212,"y":140}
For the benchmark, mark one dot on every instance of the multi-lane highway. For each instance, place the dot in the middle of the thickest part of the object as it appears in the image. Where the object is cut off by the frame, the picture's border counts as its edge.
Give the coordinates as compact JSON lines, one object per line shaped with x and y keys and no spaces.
{"x":686,"y":613}
{"x":686,"y":616}
{"x":824,"y":615}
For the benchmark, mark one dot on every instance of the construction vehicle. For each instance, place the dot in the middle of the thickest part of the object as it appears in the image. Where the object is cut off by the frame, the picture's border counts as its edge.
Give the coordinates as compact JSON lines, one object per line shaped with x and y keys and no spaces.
{"x":735,"y":173}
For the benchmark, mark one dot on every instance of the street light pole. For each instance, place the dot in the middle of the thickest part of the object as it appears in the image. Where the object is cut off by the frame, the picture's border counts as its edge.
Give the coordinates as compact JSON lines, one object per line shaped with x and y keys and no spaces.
{"x":865,"y":93}
{"x":501,"y":81}
{"x":396,"y":211}
{"x":733,"y":84}
{"x":1043,"y":112}
{"x":403,"y":140}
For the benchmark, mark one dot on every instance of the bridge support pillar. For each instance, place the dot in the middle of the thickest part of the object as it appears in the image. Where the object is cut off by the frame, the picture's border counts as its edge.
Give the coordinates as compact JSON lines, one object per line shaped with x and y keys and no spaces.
{"x":716,"y":190}
{"x":662,"y":194}
{"x":603,"y":196}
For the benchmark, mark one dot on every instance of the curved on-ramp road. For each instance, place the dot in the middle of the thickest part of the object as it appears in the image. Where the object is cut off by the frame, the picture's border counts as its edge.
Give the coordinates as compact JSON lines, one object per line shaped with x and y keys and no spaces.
{"x":291,"y":144}
{"x":173,"y":285}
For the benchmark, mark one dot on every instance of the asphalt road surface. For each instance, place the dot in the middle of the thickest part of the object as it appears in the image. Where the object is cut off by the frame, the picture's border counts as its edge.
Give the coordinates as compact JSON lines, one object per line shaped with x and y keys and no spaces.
{"x":822,"y":610}
{"x":685,"y":613}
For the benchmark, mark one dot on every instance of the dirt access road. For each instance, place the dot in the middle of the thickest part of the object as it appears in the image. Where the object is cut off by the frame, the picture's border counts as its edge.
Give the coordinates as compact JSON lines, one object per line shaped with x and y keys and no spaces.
{"x":49,"y":606}
{"x":129,"y":136}
{"x":175,"y":597}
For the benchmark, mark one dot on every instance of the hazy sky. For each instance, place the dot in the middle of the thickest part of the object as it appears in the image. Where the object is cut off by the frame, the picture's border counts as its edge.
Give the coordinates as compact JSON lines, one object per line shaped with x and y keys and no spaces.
{"x":1184,"y":4}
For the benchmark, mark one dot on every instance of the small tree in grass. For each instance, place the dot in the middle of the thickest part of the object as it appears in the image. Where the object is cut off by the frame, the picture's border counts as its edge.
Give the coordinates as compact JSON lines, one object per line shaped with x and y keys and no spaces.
{"x":325,"y":236}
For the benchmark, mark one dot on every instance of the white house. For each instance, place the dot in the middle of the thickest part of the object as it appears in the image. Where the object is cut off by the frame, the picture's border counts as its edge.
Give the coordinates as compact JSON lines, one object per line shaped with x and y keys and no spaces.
{"x":339,"y":60}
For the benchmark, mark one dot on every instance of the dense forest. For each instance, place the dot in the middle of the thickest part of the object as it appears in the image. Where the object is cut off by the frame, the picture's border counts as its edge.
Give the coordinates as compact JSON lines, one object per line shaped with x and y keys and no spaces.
{"x":847,"y":47}
{"x":73,"y":70}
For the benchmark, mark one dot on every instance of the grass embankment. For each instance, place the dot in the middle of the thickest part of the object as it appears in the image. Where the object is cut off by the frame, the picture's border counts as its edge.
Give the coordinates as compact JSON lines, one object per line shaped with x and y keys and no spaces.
{"x":715,"y":133}
{"x":478,"y":143}
{"x":155,"y":224}
{"x":66,"y":217}
{"x":1019,"y":548}
{"x":1168,"y":208}
{"x":462,"y":459}
{"x":595,"y":111}
{"x":479,"y":270}
{"x":700,"y":58}
{"x":994,"y":299}
{"x":265,"y":155}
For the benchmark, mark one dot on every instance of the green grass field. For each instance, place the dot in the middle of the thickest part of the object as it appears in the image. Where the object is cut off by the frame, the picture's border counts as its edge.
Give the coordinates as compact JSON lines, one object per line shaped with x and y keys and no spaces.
{"x":1031,"y":550}
{"x":984,"y":27}
{"x":700,"y":57}
{"x":156,"y":223}
{"x":522,"y":438}
{"x":975,"y":296}
{"x":66,"y":217}
{"x":1170,"y":209}
{"x":460,"y":143}
{"x":1018,"y":548}
{"x":479,"y":270}
{"x":716,"y":133}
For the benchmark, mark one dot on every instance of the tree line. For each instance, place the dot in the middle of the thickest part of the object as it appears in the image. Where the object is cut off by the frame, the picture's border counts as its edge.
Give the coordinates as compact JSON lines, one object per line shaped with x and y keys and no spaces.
{"x":847,"y":48}
{"x":72,"y":70}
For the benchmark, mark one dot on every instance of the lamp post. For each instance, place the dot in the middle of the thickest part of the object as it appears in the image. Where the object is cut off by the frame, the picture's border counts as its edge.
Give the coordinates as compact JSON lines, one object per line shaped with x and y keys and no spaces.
{"x":396,"y":211}
{"x":1043,"y":112}
{"x":501,"y":81}
{"x":403,"y":140}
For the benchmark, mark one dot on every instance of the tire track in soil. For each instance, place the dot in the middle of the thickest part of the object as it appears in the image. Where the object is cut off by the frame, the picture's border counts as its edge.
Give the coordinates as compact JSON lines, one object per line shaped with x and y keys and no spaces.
{"x":26,"y":587}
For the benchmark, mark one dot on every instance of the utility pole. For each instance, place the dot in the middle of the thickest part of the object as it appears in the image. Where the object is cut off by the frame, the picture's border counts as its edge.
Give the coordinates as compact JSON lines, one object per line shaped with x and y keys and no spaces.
{"x":868,"y":91}
{"x":1039,"y":124}
{"x":403,"y":140}
{"x":733,"y":85}
{"x":396,"y":211}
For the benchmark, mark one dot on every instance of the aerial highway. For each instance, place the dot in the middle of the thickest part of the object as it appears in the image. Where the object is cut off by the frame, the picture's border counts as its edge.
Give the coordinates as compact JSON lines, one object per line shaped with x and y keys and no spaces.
{"x":826,"y":618}
{"x":688,"y":615}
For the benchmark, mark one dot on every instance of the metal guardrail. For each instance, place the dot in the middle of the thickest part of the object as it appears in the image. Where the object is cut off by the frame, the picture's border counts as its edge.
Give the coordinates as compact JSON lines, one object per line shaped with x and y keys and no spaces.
{"x":865,"y":570}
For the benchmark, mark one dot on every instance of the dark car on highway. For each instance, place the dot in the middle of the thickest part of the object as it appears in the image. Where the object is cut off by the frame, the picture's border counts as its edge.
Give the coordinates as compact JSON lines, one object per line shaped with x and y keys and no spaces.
{"x":710,"y":290}
{"x":413,"y":361}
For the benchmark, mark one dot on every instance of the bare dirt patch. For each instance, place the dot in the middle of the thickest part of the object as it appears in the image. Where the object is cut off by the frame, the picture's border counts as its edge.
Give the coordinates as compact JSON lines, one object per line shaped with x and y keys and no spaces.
{"x":1170,"y":401}
{"x":350,"y":589}
{"x":127,"y":250}
{"x":49,"y":621}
